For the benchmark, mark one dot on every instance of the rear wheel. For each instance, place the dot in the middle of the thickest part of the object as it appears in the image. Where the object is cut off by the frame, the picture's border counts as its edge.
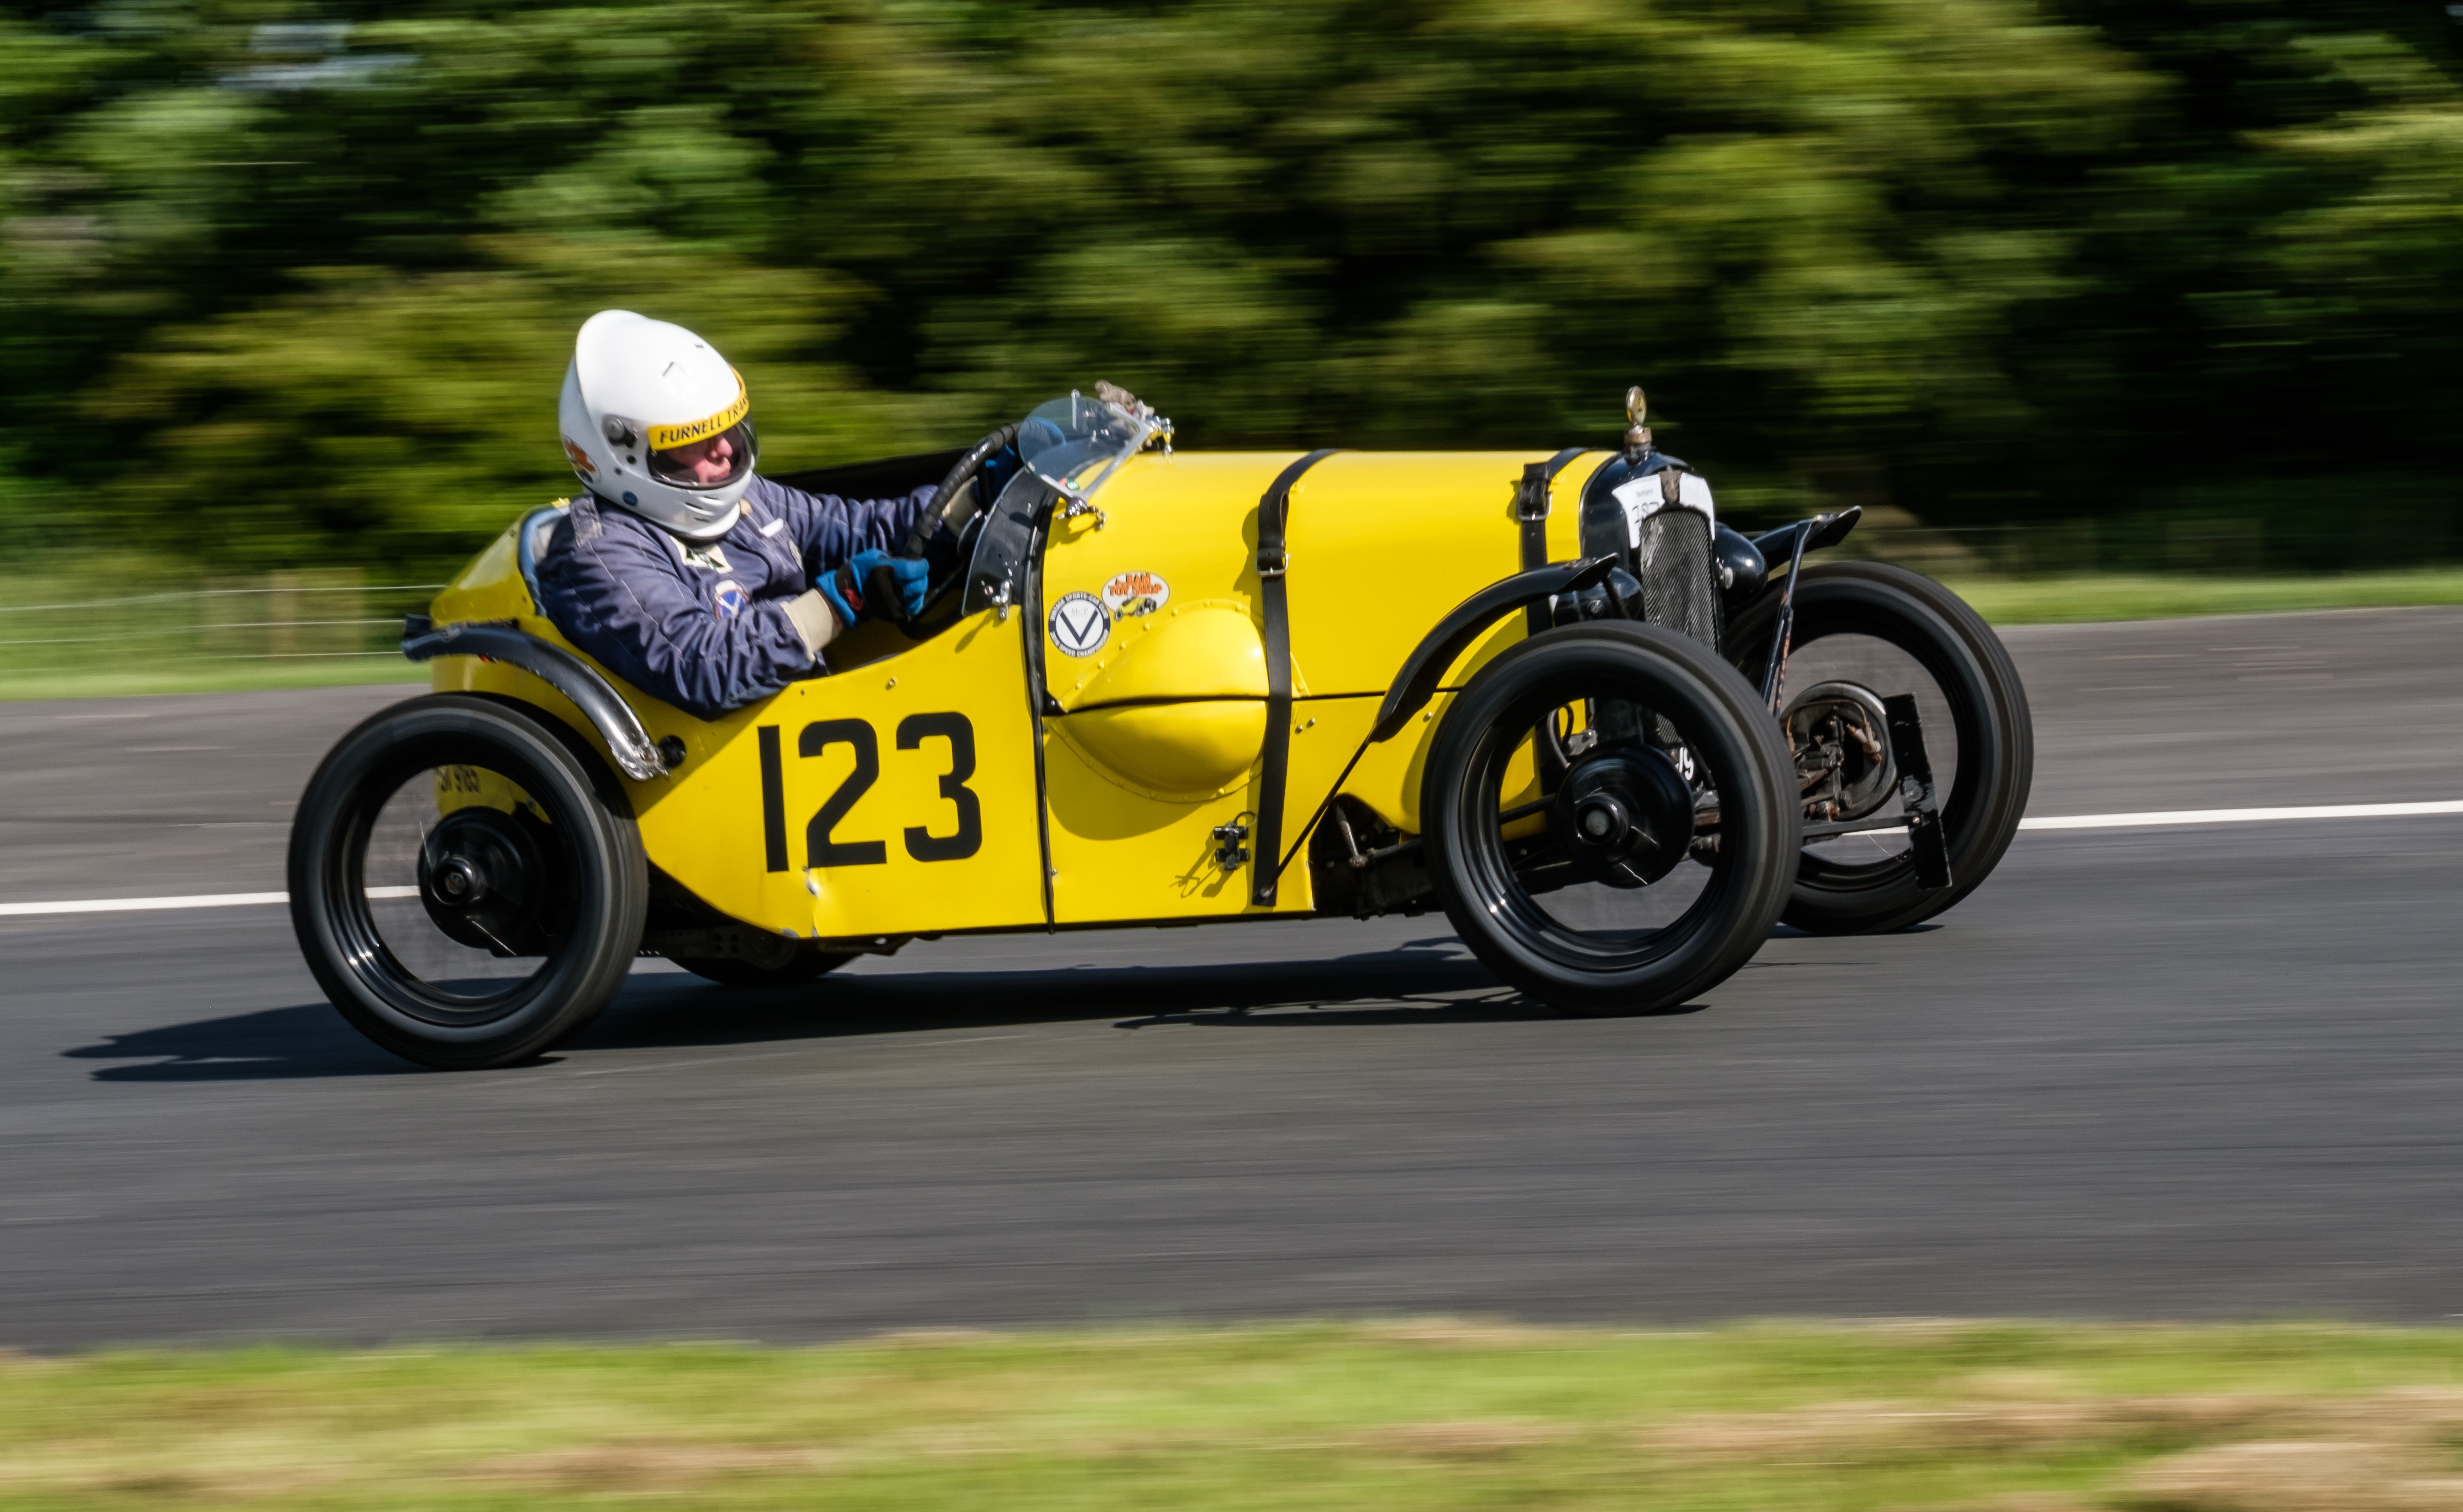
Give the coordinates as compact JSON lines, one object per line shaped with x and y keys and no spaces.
{"x":461,"y":886}
{"x":1578,"y":897}
{"x":1865,"y":632}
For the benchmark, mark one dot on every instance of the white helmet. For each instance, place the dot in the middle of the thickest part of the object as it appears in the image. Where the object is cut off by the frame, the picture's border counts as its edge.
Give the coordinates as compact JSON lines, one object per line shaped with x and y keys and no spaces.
{"x":658,"y":423}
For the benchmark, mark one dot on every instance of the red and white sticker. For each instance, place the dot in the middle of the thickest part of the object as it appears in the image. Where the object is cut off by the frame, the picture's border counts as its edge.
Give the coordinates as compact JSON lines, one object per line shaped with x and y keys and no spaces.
{"x":1129,"y":594}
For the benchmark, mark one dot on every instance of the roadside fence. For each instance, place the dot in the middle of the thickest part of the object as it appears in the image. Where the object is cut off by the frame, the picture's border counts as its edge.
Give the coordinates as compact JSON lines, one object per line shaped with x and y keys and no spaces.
{"x":60,"y":624}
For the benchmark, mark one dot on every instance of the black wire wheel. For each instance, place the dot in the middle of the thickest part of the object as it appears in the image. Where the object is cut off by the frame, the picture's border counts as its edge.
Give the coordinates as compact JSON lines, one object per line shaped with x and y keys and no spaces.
{"x":466,"y":885}
{"x":1656,"y":864}
{"x":1866,"y":632}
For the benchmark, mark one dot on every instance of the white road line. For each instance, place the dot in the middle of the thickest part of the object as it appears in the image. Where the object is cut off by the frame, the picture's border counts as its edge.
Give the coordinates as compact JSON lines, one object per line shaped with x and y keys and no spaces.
{"x":2334,"y":810}
{"x":148,"y":905}
{"x":2073,"y":821}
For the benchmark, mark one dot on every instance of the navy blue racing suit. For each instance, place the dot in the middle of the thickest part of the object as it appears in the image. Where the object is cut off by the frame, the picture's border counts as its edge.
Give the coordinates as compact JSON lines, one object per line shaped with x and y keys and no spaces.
{"x":703,"y":624}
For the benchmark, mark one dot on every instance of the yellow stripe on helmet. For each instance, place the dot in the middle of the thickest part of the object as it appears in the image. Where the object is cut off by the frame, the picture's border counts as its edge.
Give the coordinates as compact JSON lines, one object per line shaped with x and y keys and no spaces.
{"x":667,"y":438}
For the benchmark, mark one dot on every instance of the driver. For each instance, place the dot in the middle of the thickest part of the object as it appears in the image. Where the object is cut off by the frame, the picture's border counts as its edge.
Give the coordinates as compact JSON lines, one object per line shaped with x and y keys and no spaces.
{"x":676,"y":568}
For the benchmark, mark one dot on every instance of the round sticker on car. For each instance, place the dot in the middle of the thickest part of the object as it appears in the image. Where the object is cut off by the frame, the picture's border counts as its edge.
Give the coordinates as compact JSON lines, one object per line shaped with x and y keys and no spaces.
{"x":1129,"y":594}
{"x":1080,"y":624}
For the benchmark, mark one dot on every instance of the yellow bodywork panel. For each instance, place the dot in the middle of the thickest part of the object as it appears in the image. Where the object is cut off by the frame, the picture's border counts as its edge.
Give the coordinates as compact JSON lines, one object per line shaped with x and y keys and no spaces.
{"x":899,"y":796}
{"x":1186,"y":753}
{"x":1121,"y":854}
{"x":1166,"y":715}
{"x":1210,"y":649}
{"x":896,"y":799}
{"x":1385,"y":543}
{"x":1382,"y":545}
{"x":489,"y":587}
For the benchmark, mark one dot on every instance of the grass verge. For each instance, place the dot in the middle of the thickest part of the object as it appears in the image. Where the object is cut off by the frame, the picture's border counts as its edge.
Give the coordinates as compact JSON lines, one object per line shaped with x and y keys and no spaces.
{"x":1435,"y":1415}
{"x":2115,"y":595}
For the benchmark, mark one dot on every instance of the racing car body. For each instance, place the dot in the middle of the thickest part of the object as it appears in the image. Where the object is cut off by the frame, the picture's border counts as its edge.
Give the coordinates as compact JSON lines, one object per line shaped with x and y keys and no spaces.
{"x":901,"y":795}
{"x":1164,"y":687}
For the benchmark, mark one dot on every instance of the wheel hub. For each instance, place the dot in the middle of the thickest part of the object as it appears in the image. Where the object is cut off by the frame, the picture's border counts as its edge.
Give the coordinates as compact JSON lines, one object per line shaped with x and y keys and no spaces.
{"x":1627,"y":816}
{"x":459,"y":882}
{"x":1841,"y":735}
{"x":482,"y":878}
{"x":1602,"y":824}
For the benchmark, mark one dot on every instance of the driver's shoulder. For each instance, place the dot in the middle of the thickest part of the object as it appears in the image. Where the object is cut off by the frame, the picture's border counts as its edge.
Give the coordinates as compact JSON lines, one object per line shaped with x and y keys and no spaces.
{"x":593,"y":534}
{"x":767,"y":502}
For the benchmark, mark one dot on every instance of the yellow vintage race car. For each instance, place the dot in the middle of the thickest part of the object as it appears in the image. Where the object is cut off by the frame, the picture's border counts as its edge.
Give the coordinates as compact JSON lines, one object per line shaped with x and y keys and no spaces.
{"x":1614,"y":740}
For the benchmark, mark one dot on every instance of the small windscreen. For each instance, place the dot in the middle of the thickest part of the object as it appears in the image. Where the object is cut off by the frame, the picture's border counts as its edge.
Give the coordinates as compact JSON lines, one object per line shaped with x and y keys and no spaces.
{"x":1079,"y":443}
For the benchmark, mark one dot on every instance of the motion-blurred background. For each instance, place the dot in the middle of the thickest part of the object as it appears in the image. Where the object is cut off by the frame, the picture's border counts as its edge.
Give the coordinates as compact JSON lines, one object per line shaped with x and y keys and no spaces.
{"x":285,"y":290}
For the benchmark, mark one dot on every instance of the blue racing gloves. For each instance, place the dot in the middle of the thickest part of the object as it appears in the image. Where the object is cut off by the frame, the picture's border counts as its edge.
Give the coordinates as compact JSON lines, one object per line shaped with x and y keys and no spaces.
{"x":996,"y":471}
{"x":875,"y":584}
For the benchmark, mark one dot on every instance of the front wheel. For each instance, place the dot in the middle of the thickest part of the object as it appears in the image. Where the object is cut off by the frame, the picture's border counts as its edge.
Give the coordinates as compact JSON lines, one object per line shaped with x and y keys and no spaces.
{"x":1863,"y":632}
{"x":462,"y":888}
{"x":1586,"y":895}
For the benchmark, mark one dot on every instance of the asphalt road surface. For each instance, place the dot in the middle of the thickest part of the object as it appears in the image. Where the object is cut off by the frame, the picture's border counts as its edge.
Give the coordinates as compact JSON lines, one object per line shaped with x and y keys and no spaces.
{"x":2159,"y":1073}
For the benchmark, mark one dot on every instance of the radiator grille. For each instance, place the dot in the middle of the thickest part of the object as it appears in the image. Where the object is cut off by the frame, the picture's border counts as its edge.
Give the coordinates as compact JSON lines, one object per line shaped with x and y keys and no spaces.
{"x":1674,"y":565}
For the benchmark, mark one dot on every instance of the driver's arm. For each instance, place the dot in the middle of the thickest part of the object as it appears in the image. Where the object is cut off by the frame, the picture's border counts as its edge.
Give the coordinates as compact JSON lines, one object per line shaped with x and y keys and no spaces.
{"x":612,"y":584}
{"x":827,"y":529}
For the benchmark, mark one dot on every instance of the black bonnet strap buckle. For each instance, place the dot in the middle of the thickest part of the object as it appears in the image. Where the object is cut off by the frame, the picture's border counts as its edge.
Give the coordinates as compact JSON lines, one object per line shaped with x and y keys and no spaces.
{"x":1531,"y":498}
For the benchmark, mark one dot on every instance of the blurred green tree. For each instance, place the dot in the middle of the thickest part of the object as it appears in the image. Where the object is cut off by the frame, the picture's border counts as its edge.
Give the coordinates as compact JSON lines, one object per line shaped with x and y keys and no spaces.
{"x":284,"y":282}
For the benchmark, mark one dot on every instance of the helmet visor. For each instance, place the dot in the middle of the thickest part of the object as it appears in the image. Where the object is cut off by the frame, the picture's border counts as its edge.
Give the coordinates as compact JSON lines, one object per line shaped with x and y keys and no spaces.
{"x":712,"y":463}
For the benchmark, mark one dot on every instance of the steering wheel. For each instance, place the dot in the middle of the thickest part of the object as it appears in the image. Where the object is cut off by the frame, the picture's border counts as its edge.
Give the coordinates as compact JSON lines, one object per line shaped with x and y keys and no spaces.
{"x":944,"y":533}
